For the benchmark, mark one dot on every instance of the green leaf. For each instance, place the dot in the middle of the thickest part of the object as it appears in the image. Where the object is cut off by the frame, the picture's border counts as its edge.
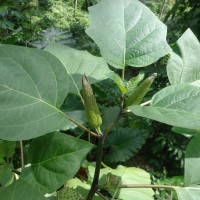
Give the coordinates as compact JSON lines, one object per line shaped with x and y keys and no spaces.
{"x":77,"y":63}
{"x":176,"y":105}
{"x":185,"y":132}
{"x":188,"y":193}
{"x":128,"y":175}
{"x":20,"y":191}
{"x":27,"y":176}
{"x":7,"y":148}
{"x":82,"y":187}
{"x":184,"y":63}
{"x":124,"y":143}
{"x":78,"y":115}
{"x":55,"y":158}
{"x":109,"y":114}
{"x":192,"y":162}
{"x":118,"y":81}
{"x":33,"y":86}
{"x":127,"y":33}
{"x":6,"y":174}
{"x":133,"y":82}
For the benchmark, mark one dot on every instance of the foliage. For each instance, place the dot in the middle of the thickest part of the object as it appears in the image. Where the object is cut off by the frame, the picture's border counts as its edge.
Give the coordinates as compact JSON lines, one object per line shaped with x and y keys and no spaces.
{"x":36,"y":86}
{"x":123,"y":143}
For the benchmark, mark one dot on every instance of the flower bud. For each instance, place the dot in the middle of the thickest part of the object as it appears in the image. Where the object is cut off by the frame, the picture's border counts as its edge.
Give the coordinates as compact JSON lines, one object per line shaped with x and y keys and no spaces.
{"x":90,"y":104}
{"x":138,"y":94}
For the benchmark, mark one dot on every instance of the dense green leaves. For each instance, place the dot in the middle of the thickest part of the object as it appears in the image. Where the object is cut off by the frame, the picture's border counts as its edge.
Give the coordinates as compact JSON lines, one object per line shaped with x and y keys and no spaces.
{"x":127,"y":33}
{"x":124,"y":143}
{"x":184,"y":63}
{"x":192,"y":162}
{"x":176,"y":105}
{"x":33,"y":86}
{"x":78,"y":63}
{"x":20,"y":190}
{"x":55,"y":158}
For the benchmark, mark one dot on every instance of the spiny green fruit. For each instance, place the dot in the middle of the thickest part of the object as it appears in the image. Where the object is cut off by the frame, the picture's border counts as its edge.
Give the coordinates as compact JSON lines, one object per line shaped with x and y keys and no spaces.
{"x":138,"y":94}
{"x":69,"y":194}
{"x":90,"y":104}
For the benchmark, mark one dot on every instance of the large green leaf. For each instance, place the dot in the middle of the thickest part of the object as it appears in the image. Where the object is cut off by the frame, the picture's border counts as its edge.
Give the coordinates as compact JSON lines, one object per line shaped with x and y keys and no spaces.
{"x":127,"y":33}
{"x":188,"y":193}
{"x":33,"y":85}
{"x":192,"y":162}
{"x":124,"y":143}
{"x":20,"y":190}
{"x":184,"y":63}
{"x":55,"y":158}
{"x":128,"y":175}
{"x":77,"y":63}
{"x":176,"y":105}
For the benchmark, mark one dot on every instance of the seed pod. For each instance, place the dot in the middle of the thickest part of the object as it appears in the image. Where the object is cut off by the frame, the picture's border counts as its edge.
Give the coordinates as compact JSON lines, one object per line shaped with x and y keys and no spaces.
{"x":138,"y":94}
{"x":90,"y":104}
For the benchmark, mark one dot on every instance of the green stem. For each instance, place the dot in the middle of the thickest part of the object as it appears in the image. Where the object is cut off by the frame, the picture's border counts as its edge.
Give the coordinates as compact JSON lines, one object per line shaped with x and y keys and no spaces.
{"x":150,"y":186}
{"x":123,"y":73}
{"x":145,"y":186}
{"x":81,"y":126}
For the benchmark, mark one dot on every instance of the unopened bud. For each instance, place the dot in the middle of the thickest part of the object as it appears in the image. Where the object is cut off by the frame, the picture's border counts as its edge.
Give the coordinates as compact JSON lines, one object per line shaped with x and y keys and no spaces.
{"x":90,"y":104}
{"x":138,"y":94}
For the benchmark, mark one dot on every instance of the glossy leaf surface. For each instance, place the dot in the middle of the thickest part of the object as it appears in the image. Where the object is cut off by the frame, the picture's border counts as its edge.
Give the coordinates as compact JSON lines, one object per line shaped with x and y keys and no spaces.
{"x":127,"y":33}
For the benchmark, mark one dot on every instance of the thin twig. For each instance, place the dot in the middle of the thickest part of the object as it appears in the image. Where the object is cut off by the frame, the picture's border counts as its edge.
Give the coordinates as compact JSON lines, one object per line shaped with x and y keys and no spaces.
{"x":81,"y":126}
{"x":149,"y":186}
{"x":22,"y":154}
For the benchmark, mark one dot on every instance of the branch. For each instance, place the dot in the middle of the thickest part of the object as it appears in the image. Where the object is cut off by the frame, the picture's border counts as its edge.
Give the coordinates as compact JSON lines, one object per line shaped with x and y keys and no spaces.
{"x":149,"y":186}
{"x":22,"y":154}
{"x":81,"y":126}
{"x":95,"y":182}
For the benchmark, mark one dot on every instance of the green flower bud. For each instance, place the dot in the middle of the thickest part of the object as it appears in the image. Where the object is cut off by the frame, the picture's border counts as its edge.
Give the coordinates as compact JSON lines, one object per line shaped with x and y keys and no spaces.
{"x":138,"y":94}
{"x":90,"y":104}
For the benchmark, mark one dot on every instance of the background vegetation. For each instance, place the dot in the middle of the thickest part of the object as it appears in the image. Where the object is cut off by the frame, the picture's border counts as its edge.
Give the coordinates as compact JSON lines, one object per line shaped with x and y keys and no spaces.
{"x":160,"y":150}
